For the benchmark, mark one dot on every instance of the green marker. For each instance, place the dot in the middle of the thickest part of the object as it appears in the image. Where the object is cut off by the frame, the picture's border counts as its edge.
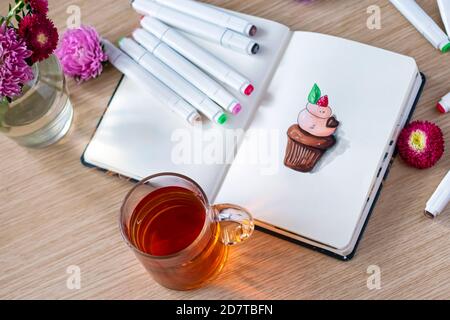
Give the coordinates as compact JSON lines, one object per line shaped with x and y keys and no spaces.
{"x":446,"y":48}
{"x":222,"y":119}
{"x":423,"y":23}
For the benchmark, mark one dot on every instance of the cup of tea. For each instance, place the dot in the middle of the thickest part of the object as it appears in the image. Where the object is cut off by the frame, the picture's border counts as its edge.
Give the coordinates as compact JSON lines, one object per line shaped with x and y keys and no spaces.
{"x":176,"y":234}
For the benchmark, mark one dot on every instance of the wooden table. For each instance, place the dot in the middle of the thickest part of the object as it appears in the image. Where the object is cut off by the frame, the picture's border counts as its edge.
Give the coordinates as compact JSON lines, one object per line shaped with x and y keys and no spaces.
{"x":56,"y":213}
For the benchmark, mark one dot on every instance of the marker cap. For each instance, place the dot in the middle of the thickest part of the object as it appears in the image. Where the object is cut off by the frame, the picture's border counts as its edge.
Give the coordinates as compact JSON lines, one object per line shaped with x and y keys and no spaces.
{"x":222,"y":118}
{"x":236,"y":109}
{"x":112,"y":51}
{"x":240,"y":25}
{"x":248,"y":90}
{"x":238,"y":42}
{"x":146,"y":39}
{"x":445,"y":48}
{"x":194,"y":119}
{"x":251,"y":30}
{"x":156,"y":27}
{"x":132,"y":48}
{"x":443,"y":106}
{"x":440,"y":198}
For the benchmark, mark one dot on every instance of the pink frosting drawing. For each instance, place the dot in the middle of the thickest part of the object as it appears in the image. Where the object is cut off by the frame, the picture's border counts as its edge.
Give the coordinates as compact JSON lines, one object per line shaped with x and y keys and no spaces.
{"x":318,"y":120}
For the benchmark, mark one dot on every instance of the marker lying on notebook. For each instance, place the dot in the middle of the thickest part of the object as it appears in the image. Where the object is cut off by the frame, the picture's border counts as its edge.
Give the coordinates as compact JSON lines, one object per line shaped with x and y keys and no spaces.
{"x":226,"y":38}
{"x":423,"y":23}
{"x":197,"y":55}
{"x":173,"y":80}
{"x":188,"y":71}
{"x":443,"y":106}
{"x":136,"y":73}
{"x":212,"y":15}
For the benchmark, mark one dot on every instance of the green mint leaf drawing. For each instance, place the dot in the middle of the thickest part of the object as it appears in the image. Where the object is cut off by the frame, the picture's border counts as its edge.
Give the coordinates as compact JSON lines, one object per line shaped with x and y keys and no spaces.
{"x":315,"y":94}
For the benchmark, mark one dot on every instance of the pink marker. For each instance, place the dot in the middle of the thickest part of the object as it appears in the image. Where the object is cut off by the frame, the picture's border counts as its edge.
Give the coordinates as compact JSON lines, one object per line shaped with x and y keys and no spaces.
{"x":236,"y":109}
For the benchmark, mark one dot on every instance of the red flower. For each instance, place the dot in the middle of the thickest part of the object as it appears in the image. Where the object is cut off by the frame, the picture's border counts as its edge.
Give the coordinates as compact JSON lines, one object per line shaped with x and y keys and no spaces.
{"x":421,"y":144}
{"x":40,"y":35}
{"x":38,"y":6}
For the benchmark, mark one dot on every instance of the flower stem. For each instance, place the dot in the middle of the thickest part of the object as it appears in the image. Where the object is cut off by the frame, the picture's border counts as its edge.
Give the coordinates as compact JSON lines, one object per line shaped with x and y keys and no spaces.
{"x":13,"y":10}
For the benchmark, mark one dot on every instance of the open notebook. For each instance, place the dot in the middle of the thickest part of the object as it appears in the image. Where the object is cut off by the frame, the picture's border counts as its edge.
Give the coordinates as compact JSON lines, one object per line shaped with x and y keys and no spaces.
{"x":371,"y":91}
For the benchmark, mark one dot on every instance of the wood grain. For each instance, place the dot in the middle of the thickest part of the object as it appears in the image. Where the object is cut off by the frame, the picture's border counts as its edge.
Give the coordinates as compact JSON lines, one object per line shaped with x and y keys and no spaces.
{"x":56,"y":213}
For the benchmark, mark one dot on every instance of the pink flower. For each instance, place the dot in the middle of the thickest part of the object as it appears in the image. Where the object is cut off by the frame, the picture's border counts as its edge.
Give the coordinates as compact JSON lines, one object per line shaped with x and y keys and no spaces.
{"x":14,"y":70}
{"x":81,"y":53}
{"x":421,"y":144}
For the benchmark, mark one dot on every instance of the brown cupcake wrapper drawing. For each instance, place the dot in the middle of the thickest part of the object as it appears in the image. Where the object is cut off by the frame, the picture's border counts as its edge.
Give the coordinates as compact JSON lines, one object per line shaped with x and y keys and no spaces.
{"x":300,"y":157}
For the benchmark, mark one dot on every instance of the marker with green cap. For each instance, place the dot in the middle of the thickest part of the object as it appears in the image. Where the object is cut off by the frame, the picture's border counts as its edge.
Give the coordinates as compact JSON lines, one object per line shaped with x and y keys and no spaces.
{"x":423,"y":23}
{"x":173,"y":80}
{"x":446,"y":48}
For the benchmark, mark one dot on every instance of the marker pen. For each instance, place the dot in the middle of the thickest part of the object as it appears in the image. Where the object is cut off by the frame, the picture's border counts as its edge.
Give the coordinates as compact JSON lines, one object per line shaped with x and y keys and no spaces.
{"x":439,"y":199}
{"x":188,"y":71}
{"x":197,"y":55}
{"x":423,"y":23}
{"x":212,"y":15}
{"x":444,"y":8}
{"x":173,"y":80}
{"x":133,"y":71}
{"x":226,"y":38}
{"x":443,"y":106}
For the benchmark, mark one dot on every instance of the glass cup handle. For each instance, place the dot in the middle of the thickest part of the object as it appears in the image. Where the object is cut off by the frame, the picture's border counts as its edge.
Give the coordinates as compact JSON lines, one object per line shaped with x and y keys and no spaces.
{"x":236,"y":223}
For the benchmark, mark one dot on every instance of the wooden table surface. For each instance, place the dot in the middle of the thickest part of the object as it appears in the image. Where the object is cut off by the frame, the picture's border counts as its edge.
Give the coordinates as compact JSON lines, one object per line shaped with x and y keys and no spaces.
{"x":55,"y":213}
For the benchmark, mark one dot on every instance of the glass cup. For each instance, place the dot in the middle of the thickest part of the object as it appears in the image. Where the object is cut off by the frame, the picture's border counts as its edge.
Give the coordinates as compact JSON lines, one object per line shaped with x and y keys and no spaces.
{"x":43,"y":114}
{"x":219,"y":227}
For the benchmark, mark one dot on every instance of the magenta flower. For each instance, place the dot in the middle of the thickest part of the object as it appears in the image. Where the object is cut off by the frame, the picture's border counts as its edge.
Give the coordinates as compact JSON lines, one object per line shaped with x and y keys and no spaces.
{"x":81,"y":53}
{"x":421,"y":144}
{"x":14,"y":70}
{"x":38,"y":6}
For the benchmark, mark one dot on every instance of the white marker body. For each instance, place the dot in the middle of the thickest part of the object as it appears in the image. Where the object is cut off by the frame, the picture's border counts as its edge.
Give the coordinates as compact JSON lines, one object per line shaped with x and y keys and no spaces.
{"x":210,"y":14}
{"x":226,"y":38}
{"x":439,"y":199}
{"x":186,"y":69}
{"x":171,"y":79}
{"x":444,"y":8}
{"x":141,"y":77}
{"x":195,"y":54}
{"x":422,"y":22}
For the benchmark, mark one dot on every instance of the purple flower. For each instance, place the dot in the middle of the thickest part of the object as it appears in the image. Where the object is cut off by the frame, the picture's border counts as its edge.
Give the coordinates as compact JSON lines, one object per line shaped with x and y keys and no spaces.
{"x":81,"y":53}
{"x":14,"y":70}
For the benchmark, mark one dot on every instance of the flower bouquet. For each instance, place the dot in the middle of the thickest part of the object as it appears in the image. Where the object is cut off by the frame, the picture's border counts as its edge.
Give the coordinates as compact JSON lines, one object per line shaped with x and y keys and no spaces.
{"x":35,"y":110}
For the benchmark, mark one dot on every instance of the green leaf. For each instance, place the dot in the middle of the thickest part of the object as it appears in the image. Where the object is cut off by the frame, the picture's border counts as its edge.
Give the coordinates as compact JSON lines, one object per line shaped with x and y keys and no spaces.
{"x":18,"y":18}
{"x":315,"y":94}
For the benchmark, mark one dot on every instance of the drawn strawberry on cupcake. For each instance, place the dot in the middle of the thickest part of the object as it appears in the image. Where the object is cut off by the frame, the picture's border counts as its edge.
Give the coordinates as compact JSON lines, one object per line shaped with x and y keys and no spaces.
{"x":313,"y":134}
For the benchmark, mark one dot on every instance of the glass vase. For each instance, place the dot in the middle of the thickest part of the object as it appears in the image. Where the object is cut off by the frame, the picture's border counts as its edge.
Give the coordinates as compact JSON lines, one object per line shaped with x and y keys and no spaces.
{"x":43,"y":114}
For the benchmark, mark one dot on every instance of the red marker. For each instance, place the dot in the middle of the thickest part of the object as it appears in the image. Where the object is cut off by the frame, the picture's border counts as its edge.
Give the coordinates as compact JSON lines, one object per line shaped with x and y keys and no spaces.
{"x":249,"y":90}
{"x":443,"y":106}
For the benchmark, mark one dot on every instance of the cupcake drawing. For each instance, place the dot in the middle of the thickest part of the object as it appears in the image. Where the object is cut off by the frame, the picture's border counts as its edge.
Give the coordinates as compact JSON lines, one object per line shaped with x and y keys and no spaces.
{"x":313,"y":134}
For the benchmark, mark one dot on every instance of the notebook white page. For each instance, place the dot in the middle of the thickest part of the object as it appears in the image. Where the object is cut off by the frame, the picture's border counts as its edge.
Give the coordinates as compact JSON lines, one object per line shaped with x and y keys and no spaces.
{"x":135,"y":135}
{"x":368,"y":89}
